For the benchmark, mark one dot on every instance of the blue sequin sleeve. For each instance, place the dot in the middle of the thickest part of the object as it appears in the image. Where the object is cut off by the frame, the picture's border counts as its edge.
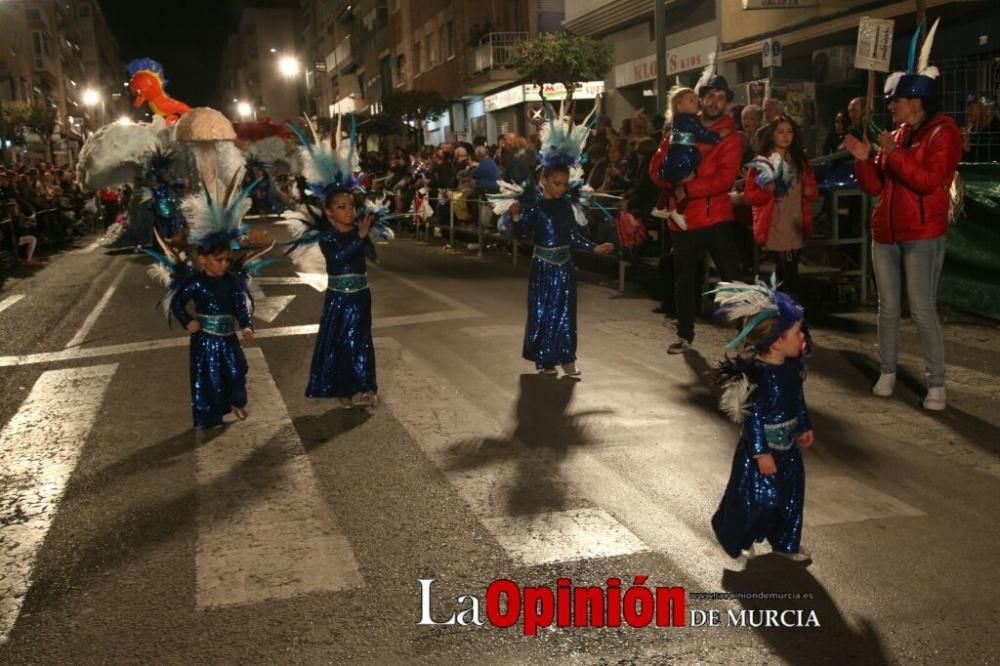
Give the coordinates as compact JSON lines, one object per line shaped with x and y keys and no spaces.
{"x":178,"y":304}
{"x":577,"y":239}
{"x":240,"y":304}
{"x":805,"y":425}
{"x":337,"y":251}
{"x":754,"y":430}
{"x":522,"y":226}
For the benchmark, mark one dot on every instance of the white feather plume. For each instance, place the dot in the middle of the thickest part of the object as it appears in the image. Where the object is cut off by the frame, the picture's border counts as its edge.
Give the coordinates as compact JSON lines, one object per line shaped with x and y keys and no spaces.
{"x":579,"y":215}
{"x":706,"y":74}
{"x":738,"y":300}
{"x":923,"y":61}
{"x":505,"y":198}
{"x":735,"y":398}
{"x":892,"y":81}
{"x":159,"y":273}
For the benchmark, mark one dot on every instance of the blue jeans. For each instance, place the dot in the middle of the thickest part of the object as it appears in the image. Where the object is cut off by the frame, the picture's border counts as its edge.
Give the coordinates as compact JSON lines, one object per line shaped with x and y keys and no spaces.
{"x":922,"y":261}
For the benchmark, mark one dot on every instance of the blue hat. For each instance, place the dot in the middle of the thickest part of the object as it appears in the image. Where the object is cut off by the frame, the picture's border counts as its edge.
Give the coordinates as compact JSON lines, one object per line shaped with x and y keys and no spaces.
{"x":912,"y":85}
{"x":919,"y":79}
{"x":716,"y":82}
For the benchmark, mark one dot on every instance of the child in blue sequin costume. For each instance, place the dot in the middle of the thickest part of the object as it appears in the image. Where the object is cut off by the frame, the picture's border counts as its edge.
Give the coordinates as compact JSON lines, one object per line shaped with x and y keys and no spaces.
{"x":686,"y":131}
{"x":683,"y":156}
{"x":550,"y":333}
{"x":343,"y":363}
{"x":766,"y":490}
{"x":218,"y":365}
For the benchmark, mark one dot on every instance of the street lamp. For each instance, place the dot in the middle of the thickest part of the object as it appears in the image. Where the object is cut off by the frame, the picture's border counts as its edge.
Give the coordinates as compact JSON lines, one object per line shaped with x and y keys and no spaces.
{"x":91,"y":97}
{"x":288,"y":66}
{"x":244,"y":109}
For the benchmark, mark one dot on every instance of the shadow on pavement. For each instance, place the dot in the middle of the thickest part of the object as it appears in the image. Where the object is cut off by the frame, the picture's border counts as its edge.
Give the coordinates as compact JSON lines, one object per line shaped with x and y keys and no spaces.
{"x":542,"y":439}
{"x":834,"y":641}
{"x":315,"y":431}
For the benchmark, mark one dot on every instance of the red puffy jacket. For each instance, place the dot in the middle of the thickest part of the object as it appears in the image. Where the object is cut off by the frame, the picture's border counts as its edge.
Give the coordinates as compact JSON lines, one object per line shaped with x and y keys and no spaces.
{"x":763,"y":204}
{"x":707,"y":201}
{"x":912,"y":183}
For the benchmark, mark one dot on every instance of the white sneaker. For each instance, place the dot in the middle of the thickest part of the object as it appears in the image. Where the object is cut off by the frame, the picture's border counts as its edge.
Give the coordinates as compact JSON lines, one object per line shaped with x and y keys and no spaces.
{"x":548,"y":371}
{"x":747,"y":553}
{"x":571,"y":370}
{"x":802,"y":556}
{"x":935,"y":399}
{"x":885,"y":384}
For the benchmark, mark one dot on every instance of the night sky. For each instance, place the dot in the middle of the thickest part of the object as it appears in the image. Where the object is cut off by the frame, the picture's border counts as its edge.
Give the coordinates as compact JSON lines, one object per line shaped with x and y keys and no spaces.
{"x":185,"y":36}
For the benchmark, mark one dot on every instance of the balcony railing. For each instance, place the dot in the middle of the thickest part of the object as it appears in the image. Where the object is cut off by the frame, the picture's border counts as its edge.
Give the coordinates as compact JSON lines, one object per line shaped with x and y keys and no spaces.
{"x":495,"y":50}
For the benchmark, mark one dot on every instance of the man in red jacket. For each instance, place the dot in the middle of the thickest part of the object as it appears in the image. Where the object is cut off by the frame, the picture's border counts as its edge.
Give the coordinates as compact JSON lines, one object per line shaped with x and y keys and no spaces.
{"x":911,"y":175}
{"x":704,"y":200}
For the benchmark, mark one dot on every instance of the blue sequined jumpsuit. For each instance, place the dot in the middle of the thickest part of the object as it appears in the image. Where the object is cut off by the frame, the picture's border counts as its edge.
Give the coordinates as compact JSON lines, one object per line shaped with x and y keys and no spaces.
{"x":550,"y":334}
{"x":683,"y":156}
{"x":343,"y":362}
{"x":218,"y":366}
{"x":757,"y":507}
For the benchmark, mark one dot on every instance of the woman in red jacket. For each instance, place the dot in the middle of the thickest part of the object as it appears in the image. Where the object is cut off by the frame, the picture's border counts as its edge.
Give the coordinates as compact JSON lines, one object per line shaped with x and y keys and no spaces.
{"x":910,"y":174}
{"x":779,"y":185}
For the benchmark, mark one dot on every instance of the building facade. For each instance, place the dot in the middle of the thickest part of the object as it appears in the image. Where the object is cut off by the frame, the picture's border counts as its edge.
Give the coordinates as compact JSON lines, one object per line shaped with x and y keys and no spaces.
{"x":60,"y":56}
{"x":264,"y":66}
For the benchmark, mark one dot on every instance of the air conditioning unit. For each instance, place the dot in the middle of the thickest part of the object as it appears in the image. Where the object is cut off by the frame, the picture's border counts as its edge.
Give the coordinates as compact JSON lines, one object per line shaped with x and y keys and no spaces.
{"x":834,"y":66}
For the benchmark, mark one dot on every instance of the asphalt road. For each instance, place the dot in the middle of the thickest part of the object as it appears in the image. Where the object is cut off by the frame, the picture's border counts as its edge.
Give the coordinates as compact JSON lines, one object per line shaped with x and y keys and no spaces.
{"x":300,"y":536}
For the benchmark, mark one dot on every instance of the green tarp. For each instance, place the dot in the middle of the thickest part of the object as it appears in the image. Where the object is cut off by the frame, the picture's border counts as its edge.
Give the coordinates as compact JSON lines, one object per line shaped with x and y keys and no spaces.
{"x":971,"y":277}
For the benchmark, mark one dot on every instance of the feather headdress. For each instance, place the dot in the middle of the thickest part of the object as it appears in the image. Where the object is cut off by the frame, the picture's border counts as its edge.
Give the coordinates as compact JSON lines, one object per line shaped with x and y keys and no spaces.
{"x":560,"y":140}
{"x":216,"y":222}
{"x":753,"y":303}
{"x":329,"y":165}
{"x":920,"y":76}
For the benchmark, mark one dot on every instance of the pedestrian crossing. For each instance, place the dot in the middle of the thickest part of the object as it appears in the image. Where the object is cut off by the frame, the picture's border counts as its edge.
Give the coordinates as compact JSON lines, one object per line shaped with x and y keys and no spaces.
{"x":552,"y":471}
{"x":39,"y":448}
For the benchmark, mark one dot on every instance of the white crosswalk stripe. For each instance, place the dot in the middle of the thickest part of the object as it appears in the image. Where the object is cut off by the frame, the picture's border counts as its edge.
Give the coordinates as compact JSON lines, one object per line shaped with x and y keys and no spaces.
{"x":9,"y":301}
{"x":264,"y":530}
{"x":39,"y":449}
{"x":453,"y":427}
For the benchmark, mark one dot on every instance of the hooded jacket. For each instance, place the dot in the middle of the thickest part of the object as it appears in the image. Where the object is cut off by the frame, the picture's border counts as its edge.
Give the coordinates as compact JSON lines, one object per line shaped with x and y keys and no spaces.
{"x":912,"y":183}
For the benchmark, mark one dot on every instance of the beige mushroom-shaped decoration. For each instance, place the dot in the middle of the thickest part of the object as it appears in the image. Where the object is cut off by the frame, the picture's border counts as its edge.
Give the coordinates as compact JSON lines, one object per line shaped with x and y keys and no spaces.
{"x":205,"y":127}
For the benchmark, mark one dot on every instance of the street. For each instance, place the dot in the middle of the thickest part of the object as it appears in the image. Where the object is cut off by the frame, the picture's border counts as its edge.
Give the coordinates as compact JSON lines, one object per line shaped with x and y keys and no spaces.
{"x":300,"y":535}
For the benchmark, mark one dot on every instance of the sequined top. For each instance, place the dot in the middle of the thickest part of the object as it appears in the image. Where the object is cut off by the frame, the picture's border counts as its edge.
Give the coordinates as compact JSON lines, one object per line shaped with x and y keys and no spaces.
{"x":779,"y":411}
{"x":550,"y":223}
{"x":344,"y":252}
{"x":224,"y":295}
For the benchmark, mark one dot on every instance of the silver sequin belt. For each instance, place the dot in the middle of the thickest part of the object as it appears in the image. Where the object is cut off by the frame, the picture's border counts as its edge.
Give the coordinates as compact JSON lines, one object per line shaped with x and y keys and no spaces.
{"x":347,"y":283}
{"x":217,"y":324}
{"x":553,"y":255}
{"x":781,"y":436}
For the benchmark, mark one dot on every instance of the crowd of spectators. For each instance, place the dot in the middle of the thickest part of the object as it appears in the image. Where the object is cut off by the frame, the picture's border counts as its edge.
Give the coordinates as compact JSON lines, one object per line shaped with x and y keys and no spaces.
{"x":41,"y":207}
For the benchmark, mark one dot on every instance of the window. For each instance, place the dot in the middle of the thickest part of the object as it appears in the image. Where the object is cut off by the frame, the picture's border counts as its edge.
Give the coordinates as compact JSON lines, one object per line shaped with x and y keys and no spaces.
{"x":443,"y":41}
{"x":450,"y":32}
{"x":399,"y":71}
{"x":435,"y":48}
{"x":418,"y":60}
{"x":37,"y":50}
{"x":83,"y":11}
{"x":430,"y":57}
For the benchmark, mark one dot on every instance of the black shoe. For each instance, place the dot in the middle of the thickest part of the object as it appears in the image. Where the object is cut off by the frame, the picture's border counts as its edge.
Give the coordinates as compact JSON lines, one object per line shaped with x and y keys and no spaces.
{"x":681,"y":345}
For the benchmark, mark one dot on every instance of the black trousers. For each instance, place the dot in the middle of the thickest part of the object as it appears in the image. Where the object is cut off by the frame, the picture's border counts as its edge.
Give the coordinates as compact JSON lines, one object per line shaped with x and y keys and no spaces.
{"x":689,"y":248}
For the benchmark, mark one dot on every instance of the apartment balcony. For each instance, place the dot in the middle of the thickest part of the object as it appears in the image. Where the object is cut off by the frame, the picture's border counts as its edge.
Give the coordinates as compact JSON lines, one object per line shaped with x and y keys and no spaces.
{"x":488,"y":61}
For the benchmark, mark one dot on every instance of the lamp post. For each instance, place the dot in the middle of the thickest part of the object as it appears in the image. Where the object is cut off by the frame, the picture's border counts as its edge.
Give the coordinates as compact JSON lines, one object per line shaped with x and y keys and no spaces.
{"x":290,"y":68}
{"x":90,"y":98}
{"x":244,"y":110}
